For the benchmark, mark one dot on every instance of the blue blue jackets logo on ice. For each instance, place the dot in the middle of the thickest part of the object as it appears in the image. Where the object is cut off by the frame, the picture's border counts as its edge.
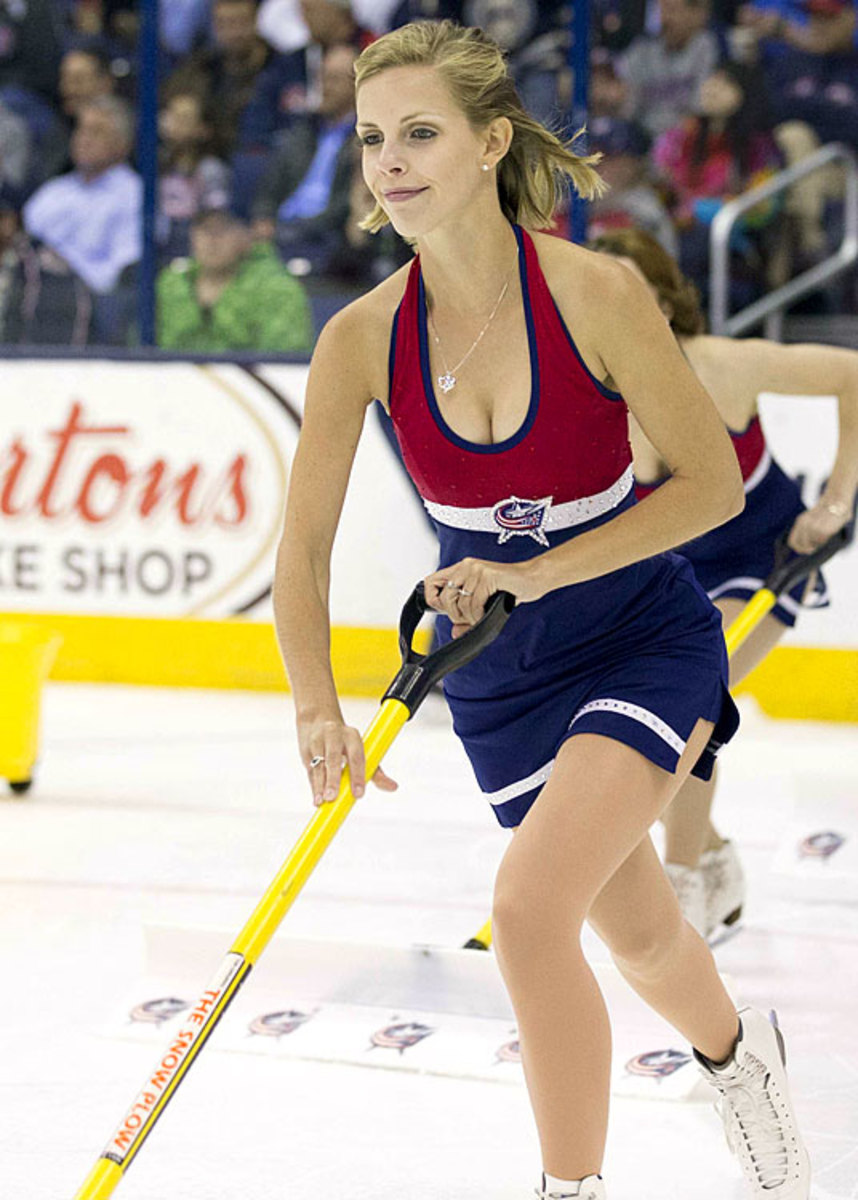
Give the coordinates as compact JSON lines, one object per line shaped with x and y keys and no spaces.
{"x":658,"y":1063}
{"x":522,"y":518}
{"x":155,"y":1012}
{"x":278,"y":1024}
{"x":509,"y":1052}
{"x":400,"y":1036}
{"x":821,"y":845}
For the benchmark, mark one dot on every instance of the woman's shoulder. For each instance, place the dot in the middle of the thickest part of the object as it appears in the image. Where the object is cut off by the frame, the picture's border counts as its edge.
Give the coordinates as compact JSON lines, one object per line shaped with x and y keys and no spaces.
{"x":709,"y":350}
{"x":595,"y":295}
{"x":359,"y":333}
{"x":370,"y":315}
{"x":582,"y":280}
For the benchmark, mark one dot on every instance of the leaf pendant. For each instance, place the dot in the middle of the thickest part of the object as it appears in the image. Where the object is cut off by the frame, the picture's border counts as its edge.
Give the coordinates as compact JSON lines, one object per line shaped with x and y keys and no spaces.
{"x":446,"y":382}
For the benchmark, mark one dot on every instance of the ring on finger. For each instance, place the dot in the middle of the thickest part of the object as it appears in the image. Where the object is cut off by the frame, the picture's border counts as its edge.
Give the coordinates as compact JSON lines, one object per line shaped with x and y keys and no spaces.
{"x":316,"y":761}
{"x":465,"y":592}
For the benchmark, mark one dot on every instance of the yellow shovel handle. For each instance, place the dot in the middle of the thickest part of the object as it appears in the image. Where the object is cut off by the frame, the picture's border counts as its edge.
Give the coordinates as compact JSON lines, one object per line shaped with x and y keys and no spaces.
{"x":482,"y":940}
{"x":760,"y":604}
{"x":178,"y":1056}
{"x":316,"y":838}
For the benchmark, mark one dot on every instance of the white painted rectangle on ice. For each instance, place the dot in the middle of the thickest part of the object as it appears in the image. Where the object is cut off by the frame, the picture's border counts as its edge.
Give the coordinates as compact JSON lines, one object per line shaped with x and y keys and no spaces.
{"x":426,"y":1010}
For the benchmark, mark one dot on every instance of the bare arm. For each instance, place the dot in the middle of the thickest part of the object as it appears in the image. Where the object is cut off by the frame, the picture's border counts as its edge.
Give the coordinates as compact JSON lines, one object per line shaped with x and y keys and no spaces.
{"x":638,"y":351}
{"x":338,"y":394}
{"x":811,"y":370}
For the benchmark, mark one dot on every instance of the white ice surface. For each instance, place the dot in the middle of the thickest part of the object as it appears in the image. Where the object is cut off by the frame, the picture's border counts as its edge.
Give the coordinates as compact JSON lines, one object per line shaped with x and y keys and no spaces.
{"x":175,"y":808}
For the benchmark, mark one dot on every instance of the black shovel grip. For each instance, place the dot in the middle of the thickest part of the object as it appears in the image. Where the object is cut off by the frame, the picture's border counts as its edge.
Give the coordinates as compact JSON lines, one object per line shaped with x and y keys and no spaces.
{"x":420,"y":672}
{"x":791,"y":568}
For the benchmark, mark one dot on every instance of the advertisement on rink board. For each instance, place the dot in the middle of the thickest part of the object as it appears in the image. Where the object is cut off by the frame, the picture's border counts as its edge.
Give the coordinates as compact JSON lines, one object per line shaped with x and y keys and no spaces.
{"x":138,"y":489}
{"x":156,"y":489}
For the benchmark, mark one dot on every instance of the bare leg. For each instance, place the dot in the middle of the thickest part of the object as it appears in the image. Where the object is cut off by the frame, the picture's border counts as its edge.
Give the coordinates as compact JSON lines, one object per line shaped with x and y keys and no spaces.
{"x":688,"y":829}
{"x":660,"y":955}
{"x":593,"y":813}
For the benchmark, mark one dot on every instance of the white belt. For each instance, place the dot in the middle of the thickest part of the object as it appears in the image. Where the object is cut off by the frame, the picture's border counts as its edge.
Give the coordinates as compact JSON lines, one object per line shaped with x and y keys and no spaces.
{"x":532,"y":518}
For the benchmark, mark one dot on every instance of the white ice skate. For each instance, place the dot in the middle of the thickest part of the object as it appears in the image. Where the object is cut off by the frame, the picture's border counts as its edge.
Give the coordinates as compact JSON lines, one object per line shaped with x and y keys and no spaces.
{"x":690,"y":888}
{"x":591,"y":1188}
{"x":724,"y":883}
{"x":757,"y":1112}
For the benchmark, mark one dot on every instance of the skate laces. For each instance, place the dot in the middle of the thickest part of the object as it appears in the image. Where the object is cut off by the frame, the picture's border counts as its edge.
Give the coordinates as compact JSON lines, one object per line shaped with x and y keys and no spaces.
{"x":756,"y":1126}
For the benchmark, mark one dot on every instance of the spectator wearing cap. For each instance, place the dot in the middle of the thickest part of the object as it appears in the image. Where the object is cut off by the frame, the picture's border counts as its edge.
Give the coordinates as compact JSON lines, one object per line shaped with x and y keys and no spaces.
{"x":632,"y":201}
{"x":192,"y":176}
{"x":90,"y":217}
{"x":663,"y":74}
{"x":809,"y":52}
{"x":231,"y":294}
{"x":303,"y":199}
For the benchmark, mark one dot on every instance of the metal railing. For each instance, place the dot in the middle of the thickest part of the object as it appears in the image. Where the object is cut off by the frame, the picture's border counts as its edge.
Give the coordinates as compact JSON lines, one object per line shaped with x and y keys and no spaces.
{"x":770,"y":308}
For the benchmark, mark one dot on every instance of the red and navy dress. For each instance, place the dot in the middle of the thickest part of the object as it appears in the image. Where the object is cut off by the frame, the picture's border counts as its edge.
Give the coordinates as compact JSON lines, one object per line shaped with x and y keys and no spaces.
{"x":637,"y":654}
{"x":736,"y":558}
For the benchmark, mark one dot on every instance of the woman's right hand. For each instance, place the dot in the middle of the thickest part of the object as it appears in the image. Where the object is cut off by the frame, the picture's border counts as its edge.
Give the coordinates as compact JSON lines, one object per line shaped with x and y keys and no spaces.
{"x":327,"y":746}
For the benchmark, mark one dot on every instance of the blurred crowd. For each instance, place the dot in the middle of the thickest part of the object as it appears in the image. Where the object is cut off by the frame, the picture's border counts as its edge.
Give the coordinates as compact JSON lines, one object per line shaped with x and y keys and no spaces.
{"x":259,"y":188}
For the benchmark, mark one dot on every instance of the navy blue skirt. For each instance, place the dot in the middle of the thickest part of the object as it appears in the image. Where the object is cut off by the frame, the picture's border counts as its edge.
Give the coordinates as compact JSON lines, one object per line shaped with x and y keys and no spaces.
{"x":637,"y":655}
{"x":735,"y":559}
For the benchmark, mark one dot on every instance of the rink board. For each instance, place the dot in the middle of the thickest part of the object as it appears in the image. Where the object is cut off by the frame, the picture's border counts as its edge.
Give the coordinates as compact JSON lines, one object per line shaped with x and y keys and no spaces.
{"x":426,"y":1010}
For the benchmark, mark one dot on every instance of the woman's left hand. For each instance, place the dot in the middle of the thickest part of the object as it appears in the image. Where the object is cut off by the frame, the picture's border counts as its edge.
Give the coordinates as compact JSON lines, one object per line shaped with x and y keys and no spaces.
{"x":462,"y":591}
{"x":814,"y":527}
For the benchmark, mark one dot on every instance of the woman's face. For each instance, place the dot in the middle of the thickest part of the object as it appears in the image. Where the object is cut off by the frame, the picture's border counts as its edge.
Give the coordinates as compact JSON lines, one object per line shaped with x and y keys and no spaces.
{"x":421,"y":158}
{"x":720,"y":96}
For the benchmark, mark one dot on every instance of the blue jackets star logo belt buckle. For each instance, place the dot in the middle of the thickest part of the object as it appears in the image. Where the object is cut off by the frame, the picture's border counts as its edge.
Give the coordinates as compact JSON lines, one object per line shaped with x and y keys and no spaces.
{"x":522,"y":518}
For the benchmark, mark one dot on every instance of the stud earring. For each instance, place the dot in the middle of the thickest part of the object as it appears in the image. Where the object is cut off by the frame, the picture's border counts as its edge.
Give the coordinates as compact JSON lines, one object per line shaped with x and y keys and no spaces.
{"x":486,"y":166}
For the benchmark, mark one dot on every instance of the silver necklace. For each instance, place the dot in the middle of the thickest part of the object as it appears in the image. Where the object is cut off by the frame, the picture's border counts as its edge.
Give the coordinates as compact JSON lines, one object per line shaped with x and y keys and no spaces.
{"x":448,"y":380}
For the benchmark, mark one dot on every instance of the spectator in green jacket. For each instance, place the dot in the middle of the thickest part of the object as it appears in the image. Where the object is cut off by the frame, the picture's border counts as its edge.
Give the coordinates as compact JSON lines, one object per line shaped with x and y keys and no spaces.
{"x":231,"y":294}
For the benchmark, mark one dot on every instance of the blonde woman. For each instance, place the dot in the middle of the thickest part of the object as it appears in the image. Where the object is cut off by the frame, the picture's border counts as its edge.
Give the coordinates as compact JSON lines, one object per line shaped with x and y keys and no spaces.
{"x":734,"y":560}
{"x":506,"y":360}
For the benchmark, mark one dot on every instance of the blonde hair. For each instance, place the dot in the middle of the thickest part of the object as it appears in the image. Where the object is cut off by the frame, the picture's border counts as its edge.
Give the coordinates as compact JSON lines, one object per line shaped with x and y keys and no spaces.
{"x":673,"y":289}
{"x":534,"y":175}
